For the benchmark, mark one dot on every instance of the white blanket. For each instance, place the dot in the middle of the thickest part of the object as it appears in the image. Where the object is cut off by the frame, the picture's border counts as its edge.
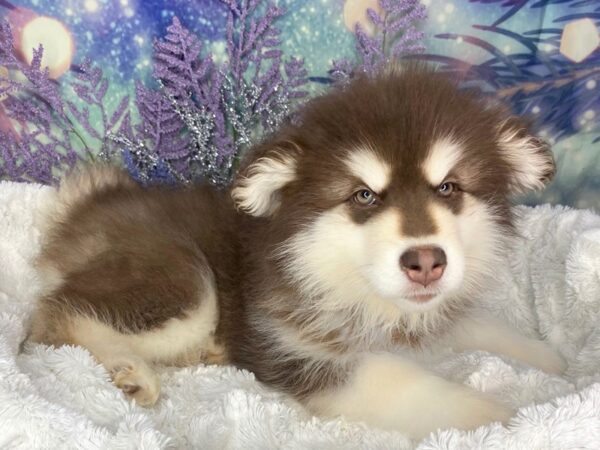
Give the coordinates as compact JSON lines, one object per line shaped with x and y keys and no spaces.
{"x":60,"y":398}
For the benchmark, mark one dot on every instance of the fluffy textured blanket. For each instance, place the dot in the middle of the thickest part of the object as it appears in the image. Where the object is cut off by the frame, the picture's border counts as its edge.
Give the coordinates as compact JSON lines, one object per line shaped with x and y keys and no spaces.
{"x":60,"y":398}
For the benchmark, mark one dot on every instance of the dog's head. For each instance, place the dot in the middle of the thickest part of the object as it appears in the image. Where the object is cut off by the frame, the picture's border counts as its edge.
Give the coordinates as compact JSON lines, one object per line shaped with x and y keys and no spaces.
{"x":393,"y":192}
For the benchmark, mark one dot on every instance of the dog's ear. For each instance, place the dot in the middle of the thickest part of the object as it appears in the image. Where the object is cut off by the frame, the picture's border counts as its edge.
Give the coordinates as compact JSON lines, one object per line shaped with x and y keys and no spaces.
{"x":529,"y":157}
{"x":258,"y":184}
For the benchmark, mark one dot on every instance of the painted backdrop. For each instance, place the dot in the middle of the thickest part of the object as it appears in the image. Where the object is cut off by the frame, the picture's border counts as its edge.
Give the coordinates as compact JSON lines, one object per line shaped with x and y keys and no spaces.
{"x":541,"y":56}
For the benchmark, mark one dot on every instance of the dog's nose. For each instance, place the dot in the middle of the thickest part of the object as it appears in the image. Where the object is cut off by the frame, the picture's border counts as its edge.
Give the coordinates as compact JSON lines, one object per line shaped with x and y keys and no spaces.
{"x":423,"y":265}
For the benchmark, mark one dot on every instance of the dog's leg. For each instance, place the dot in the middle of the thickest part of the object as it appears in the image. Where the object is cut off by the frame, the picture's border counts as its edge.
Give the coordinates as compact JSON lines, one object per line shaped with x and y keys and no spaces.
{"x":478,"y":333}
{"x":389,"y":392}
{"x":131,"y":374}
{"x":128,"y":370}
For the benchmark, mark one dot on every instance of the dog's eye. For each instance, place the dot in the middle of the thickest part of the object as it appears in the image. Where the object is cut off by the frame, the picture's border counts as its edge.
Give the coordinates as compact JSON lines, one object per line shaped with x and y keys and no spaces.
{"x":365,"y":197}
{"x":446,"y":189}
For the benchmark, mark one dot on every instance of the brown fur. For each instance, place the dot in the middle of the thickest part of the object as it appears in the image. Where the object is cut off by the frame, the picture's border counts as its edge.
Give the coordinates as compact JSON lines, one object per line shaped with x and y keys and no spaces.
{"x":122,"y":245}
{"x":135,"y":257}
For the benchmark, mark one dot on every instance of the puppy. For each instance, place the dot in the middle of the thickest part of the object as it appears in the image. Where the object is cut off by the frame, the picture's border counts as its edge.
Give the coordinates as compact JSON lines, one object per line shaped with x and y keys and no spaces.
{"x":362,"y":232}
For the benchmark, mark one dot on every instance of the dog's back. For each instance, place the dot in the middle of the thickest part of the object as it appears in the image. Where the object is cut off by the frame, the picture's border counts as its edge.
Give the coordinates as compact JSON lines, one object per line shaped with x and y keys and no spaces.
{"x":135,"y":269}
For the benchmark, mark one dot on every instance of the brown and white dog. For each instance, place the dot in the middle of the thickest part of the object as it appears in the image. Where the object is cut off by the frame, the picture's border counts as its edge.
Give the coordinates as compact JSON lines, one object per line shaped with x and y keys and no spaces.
{"x":362,"y":232}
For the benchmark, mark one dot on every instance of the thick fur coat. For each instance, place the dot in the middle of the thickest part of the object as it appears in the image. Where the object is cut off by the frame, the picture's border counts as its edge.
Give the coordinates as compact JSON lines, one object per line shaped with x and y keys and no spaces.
{"x":347,"y":242}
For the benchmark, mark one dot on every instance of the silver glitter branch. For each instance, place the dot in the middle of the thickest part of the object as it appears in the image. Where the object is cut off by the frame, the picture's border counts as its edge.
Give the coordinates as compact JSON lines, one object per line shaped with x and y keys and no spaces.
{"x":205,"y":115}
{"x":204,"y":160}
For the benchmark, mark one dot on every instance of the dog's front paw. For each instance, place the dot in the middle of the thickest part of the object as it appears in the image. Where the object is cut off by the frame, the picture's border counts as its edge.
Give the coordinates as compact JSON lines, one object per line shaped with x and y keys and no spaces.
{"x":456,"y":406}
{"x":475,"y":410}
{"x":138,"y":382}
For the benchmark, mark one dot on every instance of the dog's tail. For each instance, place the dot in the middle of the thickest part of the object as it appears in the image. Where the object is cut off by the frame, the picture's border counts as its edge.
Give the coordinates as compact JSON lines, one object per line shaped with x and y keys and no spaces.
{"x":85,"y":182}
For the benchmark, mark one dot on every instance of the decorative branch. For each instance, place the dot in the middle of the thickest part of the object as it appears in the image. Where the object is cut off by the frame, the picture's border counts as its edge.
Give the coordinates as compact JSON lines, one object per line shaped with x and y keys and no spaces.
{"x":396,"y":34}
{"x":540,"y":83}
{"x":204,"y":115}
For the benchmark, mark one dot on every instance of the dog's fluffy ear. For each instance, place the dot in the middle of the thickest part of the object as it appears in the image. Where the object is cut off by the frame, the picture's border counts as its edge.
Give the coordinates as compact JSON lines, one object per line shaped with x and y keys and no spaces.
{"x":258,"y":184}
{"x":529,"y":156}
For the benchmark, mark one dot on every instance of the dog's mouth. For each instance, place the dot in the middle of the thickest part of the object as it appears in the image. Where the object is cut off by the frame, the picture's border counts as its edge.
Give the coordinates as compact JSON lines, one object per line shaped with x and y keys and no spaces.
{"x":421,"y":298}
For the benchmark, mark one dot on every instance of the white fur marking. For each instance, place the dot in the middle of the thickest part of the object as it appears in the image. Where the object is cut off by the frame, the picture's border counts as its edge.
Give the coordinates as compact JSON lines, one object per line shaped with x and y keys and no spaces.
{"x":371,"y":169}
{"x":175,"y":338}
{"x":350,"y":274}
{"x":351,"y":277}
{"x":528,"y":161}
{"x":389,"y":392}
{"x":257,"y":193}
{"x":443,"y":156}
{"x":487,"y":334}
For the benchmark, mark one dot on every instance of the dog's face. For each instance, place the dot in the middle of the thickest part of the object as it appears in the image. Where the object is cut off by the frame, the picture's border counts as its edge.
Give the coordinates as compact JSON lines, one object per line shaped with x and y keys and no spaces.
{"x":393,"y":192}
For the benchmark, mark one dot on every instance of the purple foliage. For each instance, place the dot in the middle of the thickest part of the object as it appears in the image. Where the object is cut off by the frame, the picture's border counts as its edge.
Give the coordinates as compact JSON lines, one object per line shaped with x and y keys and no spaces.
{"x":195,"y":125}
{"x":41,"y":130}
{"x":204,"y":114}
{"x":396,"y":34}
{"x":91,"y":88}
{"x":30,"y":146}
{"x":161,"y":128}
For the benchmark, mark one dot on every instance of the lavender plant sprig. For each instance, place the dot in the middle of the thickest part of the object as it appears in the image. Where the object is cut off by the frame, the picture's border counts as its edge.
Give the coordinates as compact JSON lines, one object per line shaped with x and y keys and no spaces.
{"x":396,"y":34}
{"x":210,"y":113}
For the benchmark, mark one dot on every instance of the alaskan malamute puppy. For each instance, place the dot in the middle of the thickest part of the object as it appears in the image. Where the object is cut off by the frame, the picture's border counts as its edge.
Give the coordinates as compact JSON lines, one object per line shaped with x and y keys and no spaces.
{"x":359,"y":233}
